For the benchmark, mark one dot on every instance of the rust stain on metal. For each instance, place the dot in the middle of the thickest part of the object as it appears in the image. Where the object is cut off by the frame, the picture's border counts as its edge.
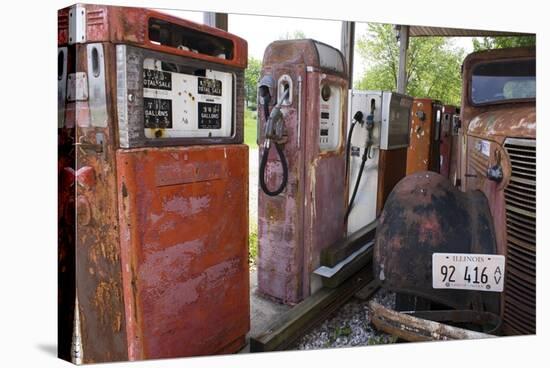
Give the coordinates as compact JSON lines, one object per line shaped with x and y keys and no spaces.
{"x":105,"y":293}
{"x":97,"y":266}
{"x":505,"y":122}
{"x":130,"y":25}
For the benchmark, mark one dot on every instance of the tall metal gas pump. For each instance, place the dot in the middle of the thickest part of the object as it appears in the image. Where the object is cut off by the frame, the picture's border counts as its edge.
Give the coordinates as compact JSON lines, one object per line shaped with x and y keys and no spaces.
{"x":153,"y":182}
{"x":423,"y":152}
{"x":302,"y":99}
{"x":377,"y":143}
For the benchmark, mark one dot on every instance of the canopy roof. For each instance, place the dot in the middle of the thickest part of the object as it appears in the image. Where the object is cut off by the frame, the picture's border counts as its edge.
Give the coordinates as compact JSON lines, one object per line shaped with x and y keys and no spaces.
{"x":424,"y":31}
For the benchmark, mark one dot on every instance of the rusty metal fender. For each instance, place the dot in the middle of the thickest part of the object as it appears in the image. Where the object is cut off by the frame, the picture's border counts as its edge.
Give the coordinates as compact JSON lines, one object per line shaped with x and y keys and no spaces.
{"x":425,"y":214}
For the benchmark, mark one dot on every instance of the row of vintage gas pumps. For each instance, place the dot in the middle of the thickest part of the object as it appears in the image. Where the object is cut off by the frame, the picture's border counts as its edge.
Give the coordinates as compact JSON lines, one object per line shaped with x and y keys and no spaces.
{"x":338,"y":154}
{"x":153,"y":215}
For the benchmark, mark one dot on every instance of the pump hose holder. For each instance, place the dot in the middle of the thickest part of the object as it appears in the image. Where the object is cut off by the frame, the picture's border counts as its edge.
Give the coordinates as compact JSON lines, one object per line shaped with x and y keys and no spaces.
{"x":263,"y":164}
{"x":274,"y":130}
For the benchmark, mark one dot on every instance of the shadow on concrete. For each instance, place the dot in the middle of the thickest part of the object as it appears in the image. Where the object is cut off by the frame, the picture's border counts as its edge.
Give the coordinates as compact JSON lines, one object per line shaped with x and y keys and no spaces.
{"x":50,"y":349}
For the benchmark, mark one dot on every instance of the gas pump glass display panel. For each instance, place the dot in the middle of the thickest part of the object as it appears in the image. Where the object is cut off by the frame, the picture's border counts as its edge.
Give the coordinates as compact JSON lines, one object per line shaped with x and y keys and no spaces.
{"x":395,"y":123}
{"x":167,"y":100}
{"x":186,"y":104}
{"x":331,"y":119}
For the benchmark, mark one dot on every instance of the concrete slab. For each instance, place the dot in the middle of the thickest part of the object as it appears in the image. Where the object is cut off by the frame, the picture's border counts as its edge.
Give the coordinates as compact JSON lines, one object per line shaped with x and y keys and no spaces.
{"x":262,"y":311}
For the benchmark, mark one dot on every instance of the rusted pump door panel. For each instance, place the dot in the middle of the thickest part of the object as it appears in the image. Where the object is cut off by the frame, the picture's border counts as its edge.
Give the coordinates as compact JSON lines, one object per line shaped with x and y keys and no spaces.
{"x":185,"y":260}
{"x":423,"y":151}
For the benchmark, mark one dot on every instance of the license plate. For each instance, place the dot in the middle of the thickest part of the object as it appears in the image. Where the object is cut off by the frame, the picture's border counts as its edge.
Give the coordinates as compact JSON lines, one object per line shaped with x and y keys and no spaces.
{"x":466,"y":271}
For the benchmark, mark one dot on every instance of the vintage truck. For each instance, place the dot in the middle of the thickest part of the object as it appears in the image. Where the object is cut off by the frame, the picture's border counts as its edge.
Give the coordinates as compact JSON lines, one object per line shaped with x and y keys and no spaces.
{"x":469,"y":242}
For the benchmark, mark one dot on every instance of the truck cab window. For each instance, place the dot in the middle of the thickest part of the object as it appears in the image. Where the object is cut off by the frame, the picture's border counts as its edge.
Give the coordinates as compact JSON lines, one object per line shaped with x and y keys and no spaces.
{"x":503,"y":80}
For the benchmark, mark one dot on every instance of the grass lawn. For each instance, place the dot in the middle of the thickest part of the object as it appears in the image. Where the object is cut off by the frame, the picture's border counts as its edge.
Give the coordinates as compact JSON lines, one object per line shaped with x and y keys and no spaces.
{"x":250,"y":141}
{"x":250,"y":128}
{"x":253,"y":244}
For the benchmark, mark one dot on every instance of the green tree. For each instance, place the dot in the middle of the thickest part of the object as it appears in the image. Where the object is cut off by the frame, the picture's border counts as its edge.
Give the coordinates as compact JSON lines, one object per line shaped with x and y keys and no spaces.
{"x":296,"y":35}
{"x":251,"y":78}
{"x":486,"y":43}
{"x":433,"y":64}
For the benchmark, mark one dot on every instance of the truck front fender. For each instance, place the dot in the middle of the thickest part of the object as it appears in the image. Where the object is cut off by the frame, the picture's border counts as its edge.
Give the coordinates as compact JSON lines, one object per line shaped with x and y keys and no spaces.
{"x":425,"y":214}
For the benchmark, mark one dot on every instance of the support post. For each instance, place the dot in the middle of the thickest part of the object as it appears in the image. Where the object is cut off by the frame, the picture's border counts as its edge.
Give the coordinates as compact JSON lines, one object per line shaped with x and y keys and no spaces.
{"x":218,"y":20}
{"x":346,"y":46}
{"x":403,"y":37}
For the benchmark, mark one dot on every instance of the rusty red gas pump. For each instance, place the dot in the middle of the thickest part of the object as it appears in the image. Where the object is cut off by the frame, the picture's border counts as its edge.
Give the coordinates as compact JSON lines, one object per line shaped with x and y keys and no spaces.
{"x":302,"y":200}
{"x":152,"y":165}
{"x":425,"y":132}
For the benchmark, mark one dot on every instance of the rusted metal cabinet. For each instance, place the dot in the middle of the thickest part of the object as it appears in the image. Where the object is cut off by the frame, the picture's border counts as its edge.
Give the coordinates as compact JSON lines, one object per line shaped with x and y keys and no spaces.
{"x":446,"y":140}
{"x":308,"y":215}
{"x":153,"y":217}
{"x":425,"y":131}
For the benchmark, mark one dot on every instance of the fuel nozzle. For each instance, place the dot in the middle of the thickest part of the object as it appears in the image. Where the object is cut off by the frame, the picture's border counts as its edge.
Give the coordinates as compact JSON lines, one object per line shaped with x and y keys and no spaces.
{"x":370,"y":141}
{"x":274,"y":124}
{"x":370,"y":122}
{"x":265,"y":96}
{"x":358,"y":117}
{"x":264,"y":89}
{"x":370,"y":116}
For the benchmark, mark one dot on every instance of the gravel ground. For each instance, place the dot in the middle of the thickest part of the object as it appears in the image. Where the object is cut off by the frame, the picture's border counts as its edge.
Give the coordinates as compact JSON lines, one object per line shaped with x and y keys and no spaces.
{"x":349,"y":326}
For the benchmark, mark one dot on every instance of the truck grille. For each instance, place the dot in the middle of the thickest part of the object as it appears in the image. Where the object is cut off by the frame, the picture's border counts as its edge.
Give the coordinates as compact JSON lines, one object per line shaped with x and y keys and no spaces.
{"x":520,"y":197}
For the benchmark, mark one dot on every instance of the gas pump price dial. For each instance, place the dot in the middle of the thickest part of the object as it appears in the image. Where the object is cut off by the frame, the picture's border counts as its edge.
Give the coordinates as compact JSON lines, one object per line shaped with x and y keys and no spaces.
{"x":330,"y":119}
{"x":182,"y":103}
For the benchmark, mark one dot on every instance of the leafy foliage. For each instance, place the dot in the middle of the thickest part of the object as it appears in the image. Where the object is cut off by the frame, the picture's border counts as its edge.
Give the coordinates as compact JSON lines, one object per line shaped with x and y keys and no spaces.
{"x":433,"y":65}
{"x":251,"y":78}
{"x":250,"y":128}
{"x":486,"y":43}
{"x":252,"y":244}
{"x":296,"y":35}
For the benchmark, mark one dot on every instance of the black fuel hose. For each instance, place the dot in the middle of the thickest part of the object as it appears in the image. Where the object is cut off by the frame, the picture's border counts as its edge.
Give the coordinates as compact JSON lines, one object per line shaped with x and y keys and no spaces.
{"x":357,"y":181}
{"x":263,"y":164}
{"x":357,"y":118}
{"x":348,"y":147}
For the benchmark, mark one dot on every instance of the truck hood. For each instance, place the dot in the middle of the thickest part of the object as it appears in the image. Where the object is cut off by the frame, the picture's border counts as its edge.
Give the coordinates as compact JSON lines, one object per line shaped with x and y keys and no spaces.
{"x":517,"y":122}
